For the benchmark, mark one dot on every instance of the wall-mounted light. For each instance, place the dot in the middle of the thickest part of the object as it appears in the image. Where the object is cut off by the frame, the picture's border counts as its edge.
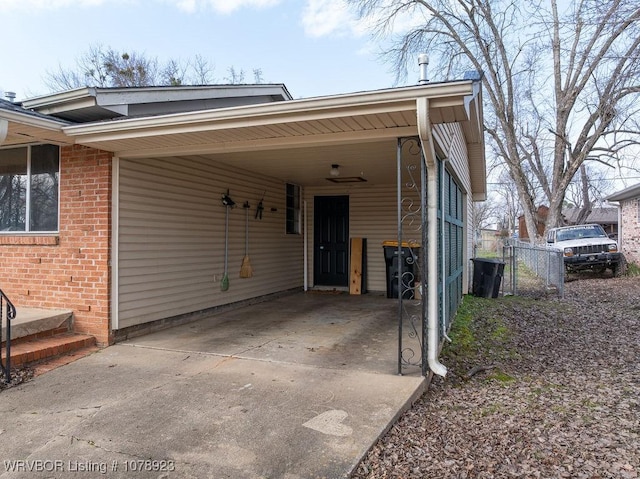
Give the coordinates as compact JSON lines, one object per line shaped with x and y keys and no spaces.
{"x":334,"y":171}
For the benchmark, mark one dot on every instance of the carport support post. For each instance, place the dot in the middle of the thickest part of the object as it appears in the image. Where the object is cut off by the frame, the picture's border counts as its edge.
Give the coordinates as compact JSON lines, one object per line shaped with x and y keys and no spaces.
{"x":423,"y":260}
{"x":399,"y":272}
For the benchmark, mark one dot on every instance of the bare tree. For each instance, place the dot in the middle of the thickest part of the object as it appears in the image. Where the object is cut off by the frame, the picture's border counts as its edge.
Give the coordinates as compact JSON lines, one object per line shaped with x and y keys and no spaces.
{"x":202,"y":71}
{"x":560,"y":86}
{"x":105,"y":67}
{"x":587,"y":191}
{"x":235,"y":76}
{"x":257,"y":75}
{"x":90,"y":70}
{"x":127,"y":70}
{"x":507,"y":201}
{"x":173,"y":73}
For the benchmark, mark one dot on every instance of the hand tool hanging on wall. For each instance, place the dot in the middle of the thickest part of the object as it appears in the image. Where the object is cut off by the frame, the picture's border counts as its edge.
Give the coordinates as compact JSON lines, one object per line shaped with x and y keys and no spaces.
{"x":246,"y":271}
{"x":260,"y":207}
{"x":228,"y":204}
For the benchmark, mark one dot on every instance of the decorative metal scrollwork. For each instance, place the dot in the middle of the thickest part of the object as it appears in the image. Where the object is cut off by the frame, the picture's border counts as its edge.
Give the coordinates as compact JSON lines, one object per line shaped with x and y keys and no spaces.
{"x":410,"y":275}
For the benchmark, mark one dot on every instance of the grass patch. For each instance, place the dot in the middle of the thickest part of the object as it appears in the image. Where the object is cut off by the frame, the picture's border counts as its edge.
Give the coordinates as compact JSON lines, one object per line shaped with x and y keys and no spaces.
{"x":633,"y":270}
{"x":501,"y":377}
{"x":463,"y":340}
{"x":479,"y":336}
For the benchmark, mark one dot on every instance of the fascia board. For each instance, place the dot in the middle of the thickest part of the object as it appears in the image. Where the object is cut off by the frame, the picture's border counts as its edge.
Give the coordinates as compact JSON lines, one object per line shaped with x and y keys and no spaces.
{"x":21,"y":118}
{"x":244,"y":121}
{"x":119,"y":96}
{"x":294,"y":110}
{"x":266,"y":144}
{"x":71,"y":96}
{"x":627,"y":193}
{"x":78,"y":104}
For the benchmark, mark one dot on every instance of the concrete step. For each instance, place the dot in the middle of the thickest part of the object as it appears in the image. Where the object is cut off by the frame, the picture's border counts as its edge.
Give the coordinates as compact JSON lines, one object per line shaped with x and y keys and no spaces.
{"x":37,"y":350}
{"x":36,"y":323}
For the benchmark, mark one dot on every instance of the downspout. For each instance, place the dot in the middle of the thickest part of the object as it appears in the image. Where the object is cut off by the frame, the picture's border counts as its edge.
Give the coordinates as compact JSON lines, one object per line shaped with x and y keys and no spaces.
{"x":428,"y":150}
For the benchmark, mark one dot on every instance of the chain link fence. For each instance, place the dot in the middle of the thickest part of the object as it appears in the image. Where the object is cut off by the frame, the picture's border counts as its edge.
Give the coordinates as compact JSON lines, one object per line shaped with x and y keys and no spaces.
{"x":532,"y":270}
{"x":529,"y":270}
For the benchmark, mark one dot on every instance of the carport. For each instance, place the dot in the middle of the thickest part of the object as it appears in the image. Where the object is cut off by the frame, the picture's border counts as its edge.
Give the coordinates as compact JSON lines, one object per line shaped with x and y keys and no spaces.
{"x":388,"y":146}
{"x":402,"y":164}
{"x":324,"y":329}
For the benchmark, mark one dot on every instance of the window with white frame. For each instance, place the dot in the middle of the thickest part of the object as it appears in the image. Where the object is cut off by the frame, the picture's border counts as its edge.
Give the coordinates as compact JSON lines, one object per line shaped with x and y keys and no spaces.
{"x":293,"y":209}
{"x":29,"y":188}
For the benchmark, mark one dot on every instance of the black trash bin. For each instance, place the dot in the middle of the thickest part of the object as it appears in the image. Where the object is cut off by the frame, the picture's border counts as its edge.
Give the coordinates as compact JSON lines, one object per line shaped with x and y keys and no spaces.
{"x":487,"y":277}
{"x":408,"y":267}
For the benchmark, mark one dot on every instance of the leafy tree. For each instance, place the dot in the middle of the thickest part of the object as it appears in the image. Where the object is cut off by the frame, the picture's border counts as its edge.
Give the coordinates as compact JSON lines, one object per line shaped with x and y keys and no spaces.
{"x":561,"y":87}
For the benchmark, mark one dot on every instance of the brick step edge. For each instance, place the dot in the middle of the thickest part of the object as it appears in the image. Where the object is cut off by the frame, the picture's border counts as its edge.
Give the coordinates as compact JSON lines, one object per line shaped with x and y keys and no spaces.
{"x":40,"y":349}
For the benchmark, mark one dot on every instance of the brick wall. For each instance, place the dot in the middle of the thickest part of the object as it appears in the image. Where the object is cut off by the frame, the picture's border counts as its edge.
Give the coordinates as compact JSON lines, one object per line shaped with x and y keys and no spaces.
{"x":69,"y":270}
{"x":631,"y":230}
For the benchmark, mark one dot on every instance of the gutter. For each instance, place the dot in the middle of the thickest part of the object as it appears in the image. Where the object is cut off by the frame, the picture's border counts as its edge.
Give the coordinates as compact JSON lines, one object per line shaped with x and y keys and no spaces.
{"x":428,"y":150}
{"x":52,"y":127}
{"x":390,"y":100}
{"x":33,"y":120}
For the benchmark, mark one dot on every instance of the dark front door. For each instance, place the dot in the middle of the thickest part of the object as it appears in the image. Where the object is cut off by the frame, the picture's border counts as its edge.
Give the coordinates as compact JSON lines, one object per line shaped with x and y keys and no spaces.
{"x":331,"y":240}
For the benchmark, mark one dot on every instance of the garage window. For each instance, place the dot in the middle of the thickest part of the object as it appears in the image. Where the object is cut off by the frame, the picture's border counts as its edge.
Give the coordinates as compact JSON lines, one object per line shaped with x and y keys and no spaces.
{"x":293,"y":209}
{"x":29,"y":189}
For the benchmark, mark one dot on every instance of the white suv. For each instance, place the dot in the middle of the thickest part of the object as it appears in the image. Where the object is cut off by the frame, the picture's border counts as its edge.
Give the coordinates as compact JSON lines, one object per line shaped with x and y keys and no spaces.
{"x":586,"y":247}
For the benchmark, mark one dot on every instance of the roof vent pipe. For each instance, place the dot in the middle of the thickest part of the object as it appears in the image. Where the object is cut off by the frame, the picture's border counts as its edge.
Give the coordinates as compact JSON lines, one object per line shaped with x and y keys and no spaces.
{"x":10,"y":96}
{"x":423,"y":62}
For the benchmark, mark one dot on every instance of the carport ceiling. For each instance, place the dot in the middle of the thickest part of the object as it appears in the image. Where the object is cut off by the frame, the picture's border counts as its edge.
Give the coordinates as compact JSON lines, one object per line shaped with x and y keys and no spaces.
{"x":296,"y":140}
{"x":375,"y":161}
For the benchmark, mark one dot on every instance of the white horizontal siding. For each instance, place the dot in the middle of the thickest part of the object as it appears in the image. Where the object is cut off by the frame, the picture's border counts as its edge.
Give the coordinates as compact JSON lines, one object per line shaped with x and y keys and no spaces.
{"x":452,"y":143}
{"x":372,"y":215}
{"x":171,"y":238}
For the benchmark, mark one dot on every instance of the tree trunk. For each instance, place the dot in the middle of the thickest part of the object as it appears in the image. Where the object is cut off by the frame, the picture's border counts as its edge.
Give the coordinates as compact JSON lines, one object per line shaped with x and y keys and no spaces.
{"x":585,"y":211}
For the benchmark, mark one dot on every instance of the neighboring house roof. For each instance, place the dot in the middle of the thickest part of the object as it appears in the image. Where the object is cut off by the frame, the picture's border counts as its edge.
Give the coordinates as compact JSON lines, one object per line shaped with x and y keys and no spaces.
{"x":626,"y":194}
{"x":95,"y":104}
{"x":295,"y":140}
{"x":606,"y":215}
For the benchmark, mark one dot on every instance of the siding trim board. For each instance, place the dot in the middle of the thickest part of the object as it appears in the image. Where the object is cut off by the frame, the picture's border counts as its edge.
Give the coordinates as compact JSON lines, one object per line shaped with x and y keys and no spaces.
{"x":115,"y":243}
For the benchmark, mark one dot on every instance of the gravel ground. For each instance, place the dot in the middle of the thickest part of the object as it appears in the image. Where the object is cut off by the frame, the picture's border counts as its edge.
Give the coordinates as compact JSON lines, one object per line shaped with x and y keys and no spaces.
{"x":538,"y":388}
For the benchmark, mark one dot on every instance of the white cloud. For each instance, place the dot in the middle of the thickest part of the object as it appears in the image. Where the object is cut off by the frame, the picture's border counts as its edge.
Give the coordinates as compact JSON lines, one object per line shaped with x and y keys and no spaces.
{"x":326,"y":17}
{"x":31,"y":5}
{"x":221,"y":6}
{"x":190,"y":6}
{"x":335,"y":17}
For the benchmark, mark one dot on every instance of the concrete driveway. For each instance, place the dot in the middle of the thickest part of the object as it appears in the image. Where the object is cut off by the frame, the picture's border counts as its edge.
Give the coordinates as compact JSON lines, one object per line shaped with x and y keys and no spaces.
{"x":297,"y":387}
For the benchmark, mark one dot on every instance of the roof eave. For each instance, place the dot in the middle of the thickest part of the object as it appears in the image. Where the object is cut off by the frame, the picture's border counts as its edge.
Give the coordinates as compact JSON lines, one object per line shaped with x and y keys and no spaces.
{"x":627,"y":193}
{"x":56,"y":100}
{"x":20,"y":127}
{"x":182,"y":122}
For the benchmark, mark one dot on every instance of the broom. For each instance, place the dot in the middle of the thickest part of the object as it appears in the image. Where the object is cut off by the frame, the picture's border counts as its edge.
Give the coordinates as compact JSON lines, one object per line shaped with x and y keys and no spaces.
{"x":246,"y":271}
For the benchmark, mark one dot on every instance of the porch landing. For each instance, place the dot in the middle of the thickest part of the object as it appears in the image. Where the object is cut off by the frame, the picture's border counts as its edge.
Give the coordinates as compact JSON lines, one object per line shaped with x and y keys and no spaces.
{"x":32,"y":321}
{"x":39,"y":334}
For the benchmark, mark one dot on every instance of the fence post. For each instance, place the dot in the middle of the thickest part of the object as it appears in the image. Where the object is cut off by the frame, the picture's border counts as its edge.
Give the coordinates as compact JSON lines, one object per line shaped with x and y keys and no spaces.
{"x":514,"y":258}
{"x":561,"y":273}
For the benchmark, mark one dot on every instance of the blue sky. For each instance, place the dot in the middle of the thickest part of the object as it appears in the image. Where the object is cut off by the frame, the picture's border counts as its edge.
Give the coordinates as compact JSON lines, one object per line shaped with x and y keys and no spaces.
{"x":314,"y":47}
